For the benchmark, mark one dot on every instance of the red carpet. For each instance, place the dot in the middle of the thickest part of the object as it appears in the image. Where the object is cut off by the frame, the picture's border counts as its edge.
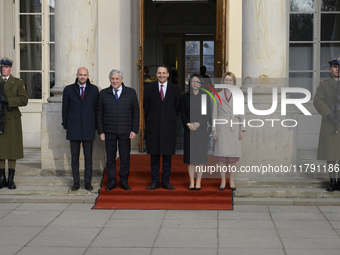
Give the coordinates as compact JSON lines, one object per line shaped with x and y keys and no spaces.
{"x":208,"y":198}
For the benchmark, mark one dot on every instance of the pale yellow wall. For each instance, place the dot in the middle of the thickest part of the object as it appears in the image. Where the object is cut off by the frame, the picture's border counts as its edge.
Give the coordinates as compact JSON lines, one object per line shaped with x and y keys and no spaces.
{"x":115,"y":41}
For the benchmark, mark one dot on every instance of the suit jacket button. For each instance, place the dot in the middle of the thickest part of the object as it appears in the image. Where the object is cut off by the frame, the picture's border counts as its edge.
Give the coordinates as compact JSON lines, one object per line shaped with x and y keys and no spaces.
{"x":9,"y":118}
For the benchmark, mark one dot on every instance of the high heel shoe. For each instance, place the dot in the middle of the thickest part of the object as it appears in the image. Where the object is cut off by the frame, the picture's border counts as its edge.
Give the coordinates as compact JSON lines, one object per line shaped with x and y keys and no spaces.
{"x":193,"y":188}
{"x":197,"y":188}
{"x":222,"y":188}
{"x":232,"y":188}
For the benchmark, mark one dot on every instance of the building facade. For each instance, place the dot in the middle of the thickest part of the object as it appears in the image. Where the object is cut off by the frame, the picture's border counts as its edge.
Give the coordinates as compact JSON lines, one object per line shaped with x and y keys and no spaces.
{"x":267,"y":44}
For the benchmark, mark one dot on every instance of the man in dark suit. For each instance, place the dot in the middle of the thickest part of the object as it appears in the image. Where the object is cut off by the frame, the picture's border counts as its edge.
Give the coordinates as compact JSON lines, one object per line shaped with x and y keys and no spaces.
{"x":161,"y":105}
{"x":79,"y":121}
{"x":118,"y":122}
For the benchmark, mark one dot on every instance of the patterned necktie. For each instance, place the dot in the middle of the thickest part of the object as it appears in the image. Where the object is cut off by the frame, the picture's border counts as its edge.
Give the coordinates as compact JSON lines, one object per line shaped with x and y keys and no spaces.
{"x":82,"y":93}
{"x":5,"y":79}
{"x":116,"y":94}
{"x":162,"y":92}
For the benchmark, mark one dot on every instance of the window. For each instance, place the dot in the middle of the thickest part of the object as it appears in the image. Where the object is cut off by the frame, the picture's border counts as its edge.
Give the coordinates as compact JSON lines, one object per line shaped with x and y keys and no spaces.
{"x":314,"y":39}
{"x":36,"y":45}
{"x":199,"y":53}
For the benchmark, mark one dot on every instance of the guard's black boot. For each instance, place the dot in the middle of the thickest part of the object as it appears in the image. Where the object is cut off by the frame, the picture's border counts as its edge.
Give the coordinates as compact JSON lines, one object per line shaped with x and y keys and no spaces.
{"x":11,"y":184}
{"x":331,"y":187}
{"x":3,"y":182}
{"x":338,"y":184}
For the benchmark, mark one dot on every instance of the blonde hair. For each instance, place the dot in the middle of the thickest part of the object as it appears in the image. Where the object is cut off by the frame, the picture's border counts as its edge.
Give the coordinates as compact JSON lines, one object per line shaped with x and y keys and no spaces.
{"x":232,"y":75}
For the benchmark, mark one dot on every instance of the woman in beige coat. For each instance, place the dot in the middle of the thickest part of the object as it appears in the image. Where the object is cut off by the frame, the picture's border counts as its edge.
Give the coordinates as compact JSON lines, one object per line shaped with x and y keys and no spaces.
{"x":227,"y":149}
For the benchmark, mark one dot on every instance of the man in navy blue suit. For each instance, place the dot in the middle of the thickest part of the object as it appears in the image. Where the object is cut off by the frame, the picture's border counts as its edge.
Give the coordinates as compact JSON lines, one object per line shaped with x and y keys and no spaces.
{"x":79,"y":121}
{"x":118,"y":123}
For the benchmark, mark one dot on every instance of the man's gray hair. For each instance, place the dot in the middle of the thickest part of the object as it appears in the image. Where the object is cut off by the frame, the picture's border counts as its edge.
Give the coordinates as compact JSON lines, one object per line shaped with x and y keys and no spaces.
{"x":114,"y":71}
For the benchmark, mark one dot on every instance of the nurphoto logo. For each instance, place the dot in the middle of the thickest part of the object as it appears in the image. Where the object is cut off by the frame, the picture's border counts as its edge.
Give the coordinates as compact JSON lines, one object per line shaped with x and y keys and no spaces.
{"x":238,"y":105}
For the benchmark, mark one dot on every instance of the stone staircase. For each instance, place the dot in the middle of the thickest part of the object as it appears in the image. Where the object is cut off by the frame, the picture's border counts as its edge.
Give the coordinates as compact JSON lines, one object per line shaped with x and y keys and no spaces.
{"x":36,"y":185}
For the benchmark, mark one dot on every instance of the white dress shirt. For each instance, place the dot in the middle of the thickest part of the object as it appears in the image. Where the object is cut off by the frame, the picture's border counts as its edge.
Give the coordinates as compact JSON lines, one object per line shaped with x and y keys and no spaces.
{"x":119,"y":92}
{"x":84,"y":86}
{"x":164,"y":88}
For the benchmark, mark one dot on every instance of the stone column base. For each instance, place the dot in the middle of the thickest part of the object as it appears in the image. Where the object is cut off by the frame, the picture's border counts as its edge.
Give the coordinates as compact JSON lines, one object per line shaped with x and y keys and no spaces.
{"x":55,"y":149}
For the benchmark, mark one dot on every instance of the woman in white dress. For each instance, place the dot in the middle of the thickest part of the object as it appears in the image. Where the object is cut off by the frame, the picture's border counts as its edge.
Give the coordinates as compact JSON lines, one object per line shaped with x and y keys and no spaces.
{"x":227,"y":149}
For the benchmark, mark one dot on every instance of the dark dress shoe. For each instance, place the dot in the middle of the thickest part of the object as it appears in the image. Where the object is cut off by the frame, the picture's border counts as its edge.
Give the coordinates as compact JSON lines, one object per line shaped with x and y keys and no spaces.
{"x":111,"y":186}
{"x":75,"y":187}
{"x":168,"y":186}
{"x":232,"y":188}
{"x":332,"y":185}
{"x":88,"y":186}
{"x":125,"y":186}
{"x":197,"y":188}
{"x":153,"y":186}
{"x":193,"y":188}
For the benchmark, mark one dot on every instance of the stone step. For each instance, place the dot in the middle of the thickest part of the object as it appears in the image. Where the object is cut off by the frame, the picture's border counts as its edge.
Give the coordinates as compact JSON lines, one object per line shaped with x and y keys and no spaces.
{"x":264,"y":182}
{"x":239,"y":193}
{"x":285,"y":193}
{"x":53,"y":186}
{"x":34,"y":171}
{"x":68,"y":172}
{"x":237,"y":200}
{"x":48,"y":191}
{"x":287,"y":182}
{"x":52,"y":181}
{"x":47,"y":199}
{"x":286,"y":201}
{"x":48,"y":194}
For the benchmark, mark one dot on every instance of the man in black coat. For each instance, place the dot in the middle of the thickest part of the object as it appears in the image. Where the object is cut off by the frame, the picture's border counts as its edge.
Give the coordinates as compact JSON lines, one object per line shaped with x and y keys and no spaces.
{"x":161,"y":105}
{"x":118,"y":122}
{"x":79,"y":121}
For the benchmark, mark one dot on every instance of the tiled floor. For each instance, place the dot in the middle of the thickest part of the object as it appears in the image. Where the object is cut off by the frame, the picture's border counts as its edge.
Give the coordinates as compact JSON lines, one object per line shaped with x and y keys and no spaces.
{"x":31,"y":228}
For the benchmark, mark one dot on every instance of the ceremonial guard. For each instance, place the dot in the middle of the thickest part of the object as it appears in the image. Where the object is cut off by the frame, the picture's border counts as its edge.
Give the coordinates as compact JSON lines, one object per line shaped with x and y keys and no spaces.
{"x":327,"y":103}
{"x":12,"y":95}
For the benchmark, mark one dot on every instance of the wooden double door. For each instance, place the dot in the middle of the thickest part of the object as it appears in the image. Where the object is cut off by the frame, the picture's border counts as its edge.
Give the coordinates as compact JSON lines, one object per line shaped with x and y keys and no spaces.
{"x":218,"y":39}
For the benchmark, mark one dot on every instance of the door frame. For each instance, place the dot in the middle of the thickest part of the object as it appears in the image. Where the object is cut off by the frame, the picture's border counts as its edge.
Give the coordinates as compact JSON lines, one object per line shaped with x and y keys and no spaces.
{"x":140,"y":65}
{"x":220,"y":55}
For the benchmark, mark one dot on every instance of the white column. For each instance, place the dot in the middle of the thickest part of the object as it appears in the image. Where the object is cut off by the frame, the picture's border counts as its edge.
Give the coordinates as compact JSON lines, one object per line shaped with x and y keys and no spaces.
{"x":76,"y":23}
{"x":264,"y":41}
{"x":264,"y":66}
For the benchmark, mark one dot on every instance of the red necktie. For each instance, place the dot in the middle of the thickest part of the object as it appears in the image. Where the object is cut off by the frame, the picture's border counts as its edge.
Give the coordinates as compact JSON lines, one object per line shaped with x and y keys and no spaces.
{"x":162,"y":92}
{"x":82,"y":93}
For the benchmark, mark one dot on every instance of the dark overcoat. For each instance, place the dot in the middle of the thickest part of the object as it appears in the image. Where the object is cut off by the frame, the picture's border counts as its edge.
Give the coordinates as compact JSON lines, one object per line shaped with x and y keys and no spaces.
{"x":79,"y":117}
{"x":195,"y":142}
{"x":329,"y":142}
{"x":161,"y":118}
{"x":118,"y":117}
{"x":11,"y":146}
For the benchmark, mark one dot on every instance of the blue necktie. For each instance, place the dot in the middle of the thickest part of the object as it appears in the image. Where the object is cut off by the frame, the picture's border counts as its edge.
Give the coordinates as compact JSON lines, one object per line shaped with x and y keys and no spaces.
{"x":116,"y":94}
